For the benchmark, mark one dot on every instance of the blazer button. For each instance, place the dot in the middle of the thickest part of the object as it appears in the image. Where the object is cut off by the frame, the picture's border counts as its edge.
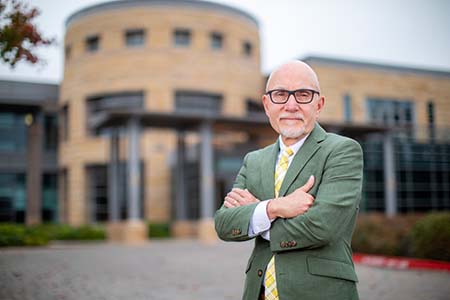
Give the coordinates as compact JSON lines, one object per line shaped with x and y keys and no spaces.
{"x":283,"y":244}
{"x":293,"y":243}
{"x":260,"y":272}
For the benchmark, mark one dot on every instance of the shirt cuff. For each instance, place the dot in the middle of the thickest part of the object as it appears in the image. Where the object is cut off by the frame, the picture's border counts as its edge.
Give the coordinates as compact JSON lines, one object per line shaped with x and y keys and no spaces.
{"x":259,"y":222}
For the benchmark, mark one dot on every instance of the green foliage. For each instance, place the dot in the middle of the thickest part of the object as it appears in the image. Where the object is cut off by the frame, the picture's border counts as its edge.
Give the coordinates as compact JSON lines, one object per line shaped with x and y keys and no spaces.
{"x":158,"y":230}
{"x":378,"y":234}
{"x":11,"y":235}
{"x":424,"y":236}
{"x":38,"y":235}
{"x":431,"y":237}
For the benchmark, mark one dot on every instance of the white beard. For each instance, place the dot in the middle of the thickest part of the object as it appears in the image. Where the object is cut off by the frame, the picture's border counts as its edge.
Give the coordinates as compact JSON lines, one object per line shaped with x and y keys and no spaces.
{"x":292,"y":132}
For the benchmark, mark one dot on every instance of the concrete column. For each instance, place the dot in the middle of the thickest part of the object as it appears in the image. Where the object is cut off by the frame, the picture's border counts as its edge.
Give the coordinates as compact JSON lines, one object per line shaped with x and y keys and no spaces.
{"x":390,"y":182}
{"x":34,"y":170}
{"x":133,"y":230}
{"x":113,"y":177}
{"x":134,"y":171}
{"x":206,"y":225}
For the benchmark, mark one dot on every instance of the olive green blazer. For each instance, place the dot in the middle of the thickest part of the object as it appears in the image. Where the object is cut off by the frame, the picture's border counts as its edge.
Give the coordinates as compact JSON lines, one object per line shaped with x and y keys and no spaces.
{"x":313,"y":255}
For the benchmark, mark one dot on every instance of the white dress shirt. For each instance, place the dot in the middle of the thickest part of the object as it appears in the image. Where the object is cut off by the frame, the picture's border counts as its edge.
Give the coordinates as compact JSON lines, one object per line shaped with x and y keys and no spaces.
{"x":260,"y":222}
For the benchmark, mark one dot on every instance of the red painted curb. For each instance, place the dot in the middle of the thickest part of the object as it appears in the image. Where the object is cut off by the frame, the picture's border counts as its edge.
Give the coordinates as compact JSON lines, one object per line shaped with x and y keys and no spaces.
{"x":401,"y":263}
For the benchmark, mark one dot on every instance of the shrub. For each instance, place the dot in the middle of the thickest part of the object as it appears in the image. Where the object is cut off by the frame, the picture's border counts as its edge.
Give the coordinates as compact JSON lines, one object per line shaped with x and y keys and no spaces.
{"x":39,"y":235}
{"x":379,"y":234}
{"x":431,"y":237}
{"x":158,"y":230}
{"x":85,"y":232}
{"x":12,"y":235}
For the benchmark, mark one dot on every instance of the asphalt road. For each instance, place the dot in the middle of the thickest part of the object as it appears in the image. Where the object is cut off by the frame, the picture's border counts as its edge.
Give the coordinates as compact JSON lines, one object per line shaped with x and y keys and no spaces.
{"x":170,"y":270}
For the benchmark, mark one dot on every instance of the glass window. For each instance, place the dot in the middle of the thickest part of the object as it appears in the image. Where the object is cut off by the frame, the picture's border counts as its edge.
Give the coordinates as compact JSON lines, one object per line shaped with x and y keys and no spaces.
{"x":347,"y":108}
{"x":390,"y":112}
{"x":13,"y":132}
{"x":12,"y":197}
{"x":51,"y":133}
{"x":247,"y":48}
{"x":216,"y":40}
{"x":254,"y":107}
{"x":182,"y":37}
{"x":64,"y":118}
{"x":98,"y":191}
{"x":198,"y":102}
{"x":92,"y":43}
{"x":67,"y":52}
{"x":50,"y":198}
{"x":135,"y":37}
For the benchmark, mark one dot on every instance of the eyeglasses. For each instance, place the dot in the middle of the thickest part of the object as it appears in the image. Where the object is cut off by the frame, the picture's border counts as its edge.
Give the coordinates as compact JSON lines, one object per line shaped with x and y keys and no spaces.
{"x":302,"y":96}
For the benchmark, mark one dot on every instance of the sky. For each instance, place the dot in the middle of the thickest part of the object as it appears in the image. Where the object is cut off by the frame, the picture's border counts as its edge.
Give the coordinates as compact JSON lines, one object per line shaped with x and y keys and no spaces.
{"x":409,"y":33}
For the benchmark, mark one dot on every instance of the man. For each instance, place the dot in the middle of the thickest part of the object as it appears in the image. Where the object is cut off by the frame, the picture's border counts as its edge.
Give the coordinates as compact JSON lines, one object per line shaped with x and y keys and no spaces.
{"x":298,"y":198}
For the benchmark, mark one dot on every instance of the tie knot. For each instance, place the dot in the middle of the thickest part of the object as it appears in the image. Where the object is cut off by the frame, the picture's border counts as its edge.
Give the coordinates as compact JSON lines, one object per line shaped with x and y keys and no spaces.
{"x":288,"y":151}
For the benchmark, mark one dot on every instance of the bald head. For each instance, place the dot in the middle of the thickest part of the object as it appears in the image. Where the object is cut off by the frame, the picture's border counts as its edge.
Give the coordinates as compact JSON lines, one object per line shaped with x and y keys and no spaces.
{"x":295,"y":73}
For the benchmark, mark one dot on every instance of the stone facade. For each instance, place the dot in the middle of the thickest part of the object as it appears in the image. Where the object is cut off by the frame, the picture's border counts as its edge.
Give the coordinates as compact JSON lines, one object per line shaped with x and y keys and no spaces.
{"x":158,"y":68}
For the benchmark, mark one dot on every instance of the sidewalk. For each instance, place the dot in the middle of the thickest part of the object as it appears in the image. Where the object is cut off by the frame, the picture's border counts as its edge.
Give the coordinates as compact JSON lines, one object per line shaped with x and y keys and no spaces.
{"x":171,"y":269}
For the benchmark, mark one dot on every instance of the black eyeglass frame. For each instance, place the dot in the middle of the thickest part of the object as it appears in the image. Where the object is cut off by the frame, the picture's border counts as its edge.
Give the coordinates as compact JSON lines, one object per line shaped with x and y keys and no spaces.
{"x":293,"y":94}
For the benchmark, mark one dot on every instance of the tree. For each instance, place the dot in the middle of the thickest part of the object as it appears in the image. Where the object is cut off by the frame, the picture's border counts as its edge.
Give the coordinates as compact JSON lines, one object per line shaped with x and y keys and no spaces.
{"x":19,"y":37}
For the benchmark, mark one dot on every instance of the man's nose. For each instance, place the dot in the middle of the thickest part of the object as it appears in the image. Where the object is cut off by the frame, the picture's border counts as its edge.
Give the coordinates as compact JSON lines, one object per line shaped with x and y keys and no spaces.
{"x":291,"y":103}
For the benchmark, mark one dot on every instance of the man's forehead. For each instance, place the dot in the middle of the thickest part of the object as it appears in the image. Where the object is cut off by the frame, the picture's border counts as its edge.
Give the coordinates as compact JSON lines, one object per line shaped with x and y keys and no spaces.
{"x":295,"y":74}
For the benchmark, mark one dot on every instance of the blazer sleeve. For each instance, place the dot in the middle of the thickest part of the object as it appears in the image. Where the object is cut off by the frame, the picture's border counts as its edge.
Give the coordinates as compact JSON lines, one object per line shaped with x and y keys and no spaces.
{"x":335,"y":204}
{"x":232,"y":224}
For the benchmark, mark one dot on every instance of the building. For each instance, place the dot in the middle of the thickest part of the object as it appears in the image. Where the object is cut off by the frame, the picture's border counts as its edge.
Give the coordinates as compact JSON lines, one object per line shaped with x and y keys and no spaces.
{"x":156,"y":112}
{"x":28,"y":151}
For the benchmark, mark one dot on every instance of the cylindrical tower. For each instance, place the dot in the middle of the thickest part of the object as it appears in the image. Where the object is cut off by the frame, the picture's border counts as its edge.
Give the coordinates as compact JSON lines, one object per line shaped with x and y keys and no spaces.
{"x":171,"y":55}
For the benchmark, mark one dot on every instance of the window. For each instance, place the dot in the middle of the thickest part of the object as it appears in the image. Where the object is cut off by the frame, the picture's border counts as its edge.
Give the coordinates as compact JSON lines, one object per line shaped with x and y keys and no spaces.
{"x":247,"y":48}
{"x":50,"y":197}
{"x":50,"y":133}
{"x":127,"y":100}
{"x":67,"y":52}
{"x":13,"y":132}
{"x":198,"y":102}
{"x":92,"y":43}
{"x":431,"y":127}
{"x":390,"y":112}
{"x":216,"y":40}
{"x":12,"y":197}
{"x":254,"y":107}
{"x":64,"y":118}
{"x":63,"y":185}
{"x":347,"y":108}
{"x":97,"y":176}
{"x":182,"y":37}
{"x":135,"y":37}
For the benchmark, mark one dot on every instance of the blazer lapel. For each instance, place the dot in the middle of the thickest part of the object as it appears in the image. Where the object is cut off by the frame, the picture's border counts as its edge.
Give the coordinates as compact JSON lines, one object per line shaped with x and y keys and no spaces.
{"x":306,"y":152}
{"x":268,"y":171}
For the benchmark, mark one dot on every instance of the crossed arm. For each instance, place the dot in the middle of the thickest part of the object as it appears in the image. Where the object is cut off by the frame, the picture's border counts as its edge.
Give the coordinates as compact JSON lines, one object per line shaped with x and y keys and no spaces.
{"x":296,"y":218}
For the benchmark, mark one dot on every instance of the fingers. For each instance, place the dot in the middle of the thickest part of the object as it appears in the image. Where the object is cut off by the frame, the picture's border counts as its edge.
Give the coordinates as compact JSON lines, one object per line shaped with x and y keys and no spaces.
{"x":230,"y":202}
{"x":308,"y":185}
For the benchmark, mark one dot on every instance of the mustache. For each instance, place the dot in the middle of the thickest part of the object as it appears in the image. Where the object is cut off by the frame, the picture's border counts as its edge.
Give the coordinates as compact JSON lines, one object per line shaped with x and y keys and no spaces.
{"x":290,"y":116}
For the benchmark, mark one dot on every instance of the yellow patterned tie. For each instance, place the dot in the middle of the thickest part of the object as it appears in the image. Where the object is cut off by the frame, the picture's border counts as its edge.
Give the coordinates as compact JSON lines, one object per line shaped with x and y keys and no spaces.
{"x":270,"y":283}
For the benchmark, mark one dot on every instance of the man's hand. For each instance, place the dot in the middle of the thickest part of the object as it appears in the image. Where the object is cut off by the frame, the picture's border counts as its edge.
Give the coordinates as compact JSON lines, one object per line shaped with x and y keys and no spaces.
{"x":292,"y":205}
{"x":239,"y":197}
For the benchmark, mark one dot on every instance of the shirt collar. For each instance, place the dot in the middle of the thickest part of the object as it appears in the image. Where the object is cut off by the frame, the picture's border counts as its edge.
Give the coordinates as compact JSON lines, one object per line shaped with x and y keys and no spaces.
{"x":295,"y":147}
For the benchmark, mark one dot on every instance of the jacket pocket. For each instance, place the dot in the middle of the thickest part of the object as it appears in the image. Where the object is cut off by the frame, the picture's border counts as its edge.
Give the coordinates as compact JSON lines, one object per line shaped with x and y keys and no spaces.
{"x":331,"y":268}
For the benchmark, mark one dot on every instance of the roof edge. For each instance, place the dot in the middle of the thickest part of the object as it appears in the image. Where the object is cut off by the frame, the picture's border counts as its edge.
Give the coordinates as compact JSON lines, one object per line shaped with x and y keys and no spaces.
{"x":113,"y":5}
{"x":370,"y":65}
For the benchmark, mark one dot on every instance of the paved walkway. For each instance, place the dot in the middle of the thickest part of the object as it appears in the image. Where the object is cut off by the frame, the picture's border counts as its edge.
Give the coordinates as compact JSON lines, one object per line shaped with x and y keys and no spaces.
{"x":171,"y":270}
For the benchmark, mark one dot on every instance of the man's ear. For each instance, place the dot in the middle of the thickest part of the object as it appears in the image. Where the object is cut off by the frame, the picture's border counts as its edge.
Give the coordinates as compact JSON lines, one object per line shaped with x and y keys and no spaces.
{"x":320,"y":104}
{"x":265,"y":101}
